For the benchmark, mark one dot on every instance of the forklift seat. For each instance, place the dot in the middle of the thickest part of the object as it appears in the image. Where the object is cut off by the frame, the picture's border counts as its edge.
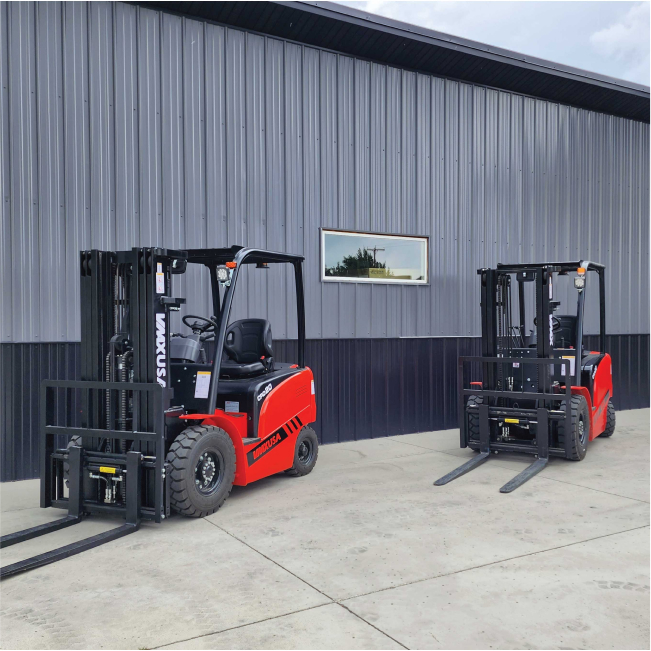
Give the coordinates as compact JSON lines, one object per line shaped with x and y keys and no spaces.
{"x":247,"y":349}
{"x":565,"y":335}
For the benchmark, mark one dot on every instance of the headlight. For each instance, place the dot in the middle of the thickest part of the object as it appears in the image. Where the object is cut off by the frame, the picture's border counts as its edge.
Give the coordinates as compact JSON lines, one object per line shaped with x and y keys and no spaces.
{"x":223,"y":274}
{"x":579,"y":282}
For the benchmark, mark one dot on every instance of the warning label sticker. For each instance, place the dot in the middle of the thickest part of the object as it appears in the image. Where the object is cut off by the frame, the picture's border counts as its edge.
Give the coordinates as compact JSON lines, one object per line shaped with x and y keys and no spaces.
{"x":160,"y":279}
{"x":572,"y":360}
{"x":202,"y":385}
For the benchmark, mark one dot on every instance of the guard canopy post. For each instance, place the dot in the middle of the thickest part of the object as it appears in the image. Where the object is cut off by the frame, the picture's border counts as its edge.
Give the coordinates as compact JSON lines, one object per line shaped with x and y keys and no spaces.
{"x":241,"y":256}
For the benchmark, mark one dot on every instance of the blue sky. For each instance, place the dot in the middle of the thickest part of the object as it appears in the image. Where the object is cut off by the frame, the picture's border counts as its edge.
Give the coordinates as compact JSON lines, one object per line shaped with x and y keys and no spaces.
{"x":611,"y":38}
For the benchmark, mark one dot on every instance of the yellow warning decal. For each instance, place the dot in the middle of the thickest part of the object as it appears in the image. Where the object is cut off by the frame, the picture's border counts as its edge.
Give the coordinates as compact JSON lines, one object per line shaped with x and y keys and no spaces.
{"x":110,"y":471}
{"x":512,"y":420}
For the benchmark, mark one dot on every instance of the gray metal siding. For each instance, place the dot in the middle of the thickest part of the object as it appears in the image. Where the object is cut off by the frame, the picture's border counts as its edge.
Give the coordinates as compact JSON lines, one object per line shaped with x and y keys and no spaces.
{"x":360,"y":34}
{"x":123,"y":126}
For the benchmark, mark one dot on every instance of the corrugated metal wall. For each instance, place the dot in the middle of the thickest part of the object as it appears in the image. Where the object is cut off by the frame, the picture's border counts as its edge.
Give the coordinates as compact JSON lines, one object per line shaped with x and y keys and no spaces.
{"x":365,"y":388}
{"x":123,"y":126}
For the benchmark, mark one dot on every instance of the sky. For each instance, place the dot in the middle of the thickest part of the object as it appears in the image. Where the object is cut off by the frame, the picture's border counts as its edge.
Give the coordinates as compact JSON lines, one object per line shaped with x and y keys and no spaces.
{"x":611,"y":38}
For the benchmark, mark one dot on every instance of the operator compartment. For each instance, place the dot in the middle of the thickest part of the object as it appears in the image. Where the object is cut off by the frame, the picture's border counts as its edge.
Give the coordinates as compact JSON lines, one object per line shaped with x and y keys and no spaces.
{"x":191,"y":383}
{"x":248,"y":371}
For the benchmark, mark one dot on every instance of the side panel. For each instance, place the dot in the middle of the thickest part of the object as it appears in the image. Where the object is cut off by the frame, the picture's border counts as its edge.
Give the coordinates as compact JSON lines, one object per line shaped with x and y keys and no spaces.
{"x":286,"y":409}
{"x":582,"y":391}
{"x":291,"y":398}
{"x":602,"y":394}
{"x":235,"y":426}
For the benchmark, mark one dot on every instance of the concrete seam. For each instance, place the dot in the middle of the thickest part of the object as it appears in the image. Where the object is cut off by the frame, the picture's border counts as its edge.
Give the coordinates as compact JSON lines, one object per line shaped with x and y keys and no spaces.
{"x":282,"y":567}
{"x":569,"y":483}
{"x":271,"y":560}
{"x":234,"y":628}
{"x":503,"y":560}
{"x":379,"y":630}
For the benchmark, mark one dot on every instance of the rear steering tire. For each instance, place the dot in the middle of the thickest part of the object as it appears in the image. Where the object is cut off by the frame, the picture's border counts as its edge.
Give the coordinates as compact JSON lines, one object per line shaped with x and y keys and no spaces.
{"x":610,"y":420}
{"x":202,"y":460}
{"x":579,"y":431}
{"x":305,"y":453}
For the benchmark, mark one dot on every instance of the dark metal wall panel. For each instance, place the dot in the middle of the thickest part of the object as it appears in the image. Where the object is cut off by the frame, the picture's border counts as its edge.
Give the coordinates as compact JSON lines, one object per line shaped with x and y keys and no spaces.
{"x":126,"y":126}
{"x":22,"y":368}
{"x":630,"y":355}
{"x":365,"y":388}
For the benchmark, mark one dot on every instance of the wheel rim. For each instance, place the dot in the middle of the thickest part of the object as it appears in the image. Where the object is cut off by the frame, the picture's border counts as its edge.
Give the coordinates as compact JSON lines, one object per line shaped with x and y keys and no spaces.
{"x":582,"y":432}
{"x":305,"y":452}
{"x":209,"y":472}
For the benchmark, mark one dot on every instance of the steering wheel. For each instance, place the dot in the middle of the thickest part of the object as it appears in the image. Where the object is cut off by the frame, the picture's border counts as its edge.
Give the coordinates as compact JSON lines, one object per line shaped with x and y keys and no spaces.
{"x":203,"y":324}
{"x":556,"y":323}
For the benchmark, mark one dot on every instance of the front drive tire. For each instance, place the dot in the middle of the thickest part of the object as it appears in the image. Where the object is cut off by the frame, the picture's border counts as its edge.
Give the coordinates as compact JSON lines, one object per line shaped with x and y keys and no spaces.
{"x":579,"y":428}
{"x":305,"y":453}
{"x":473,"y":423}
{"x":610,"y":420}
{"x":75,"y":441}
{"x":202,"y":460}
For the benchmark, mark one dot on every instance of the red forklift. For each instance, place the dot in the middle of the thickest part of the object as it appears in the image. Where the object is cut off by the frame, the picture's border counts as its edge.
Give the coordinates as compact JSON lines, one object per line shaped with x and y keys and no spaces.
{"x":163,"y":422}
{"x":543,"y":392}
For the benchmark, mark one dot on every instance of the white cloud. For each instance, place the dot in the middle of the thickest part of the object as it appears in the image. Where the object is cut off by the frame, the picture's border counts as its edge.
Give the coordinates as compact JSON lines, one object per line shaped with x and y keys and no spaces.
{"x":628,"y":41}
{"x":607,"y":37}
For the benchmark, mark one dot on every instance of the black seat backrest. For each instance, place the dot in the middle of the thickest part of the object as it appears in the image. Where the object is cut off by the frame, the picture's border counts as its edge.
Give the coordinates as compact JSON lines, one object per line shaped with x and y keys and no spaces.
{"x":565,"y":336}
{"x":248,"y":340}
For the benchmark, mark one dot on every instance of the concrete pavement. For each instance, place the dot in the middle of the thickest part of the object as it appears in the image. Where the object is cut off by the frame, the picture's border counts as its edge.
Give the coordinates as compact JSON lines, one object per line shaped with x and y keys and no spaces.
{"x":364,"y":553}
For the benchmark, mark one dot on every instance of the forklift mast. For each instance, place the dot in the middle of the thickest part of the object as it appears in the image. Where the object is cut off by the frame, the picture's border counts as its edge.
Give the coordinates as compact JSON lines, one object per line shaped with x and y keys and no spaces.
{"x":113,"y":417}
{"x":500,"y":336}
{"x":125,"y":329}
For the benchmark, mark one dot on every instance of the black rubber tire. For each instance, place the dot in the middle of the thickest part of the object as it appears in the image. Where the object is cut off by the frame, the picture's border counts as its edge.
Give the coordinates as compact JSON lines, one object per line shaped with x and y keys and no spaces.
{"x":183,"y":457}
{"x":302,"y":466}
{"x":473,"y":422}
{"x":579,"y":412}
{"x":74,"y":441}
{"x":610,"y":421}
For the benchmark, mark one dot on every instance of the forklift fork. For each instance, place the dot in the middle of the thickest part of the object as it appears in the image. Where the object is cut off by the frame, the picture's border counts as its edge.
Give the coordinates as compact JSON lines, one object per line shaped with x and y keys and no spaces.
{"x":542,"y":439}
{"x":484,"y":451}
{"x":76,"y":514}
